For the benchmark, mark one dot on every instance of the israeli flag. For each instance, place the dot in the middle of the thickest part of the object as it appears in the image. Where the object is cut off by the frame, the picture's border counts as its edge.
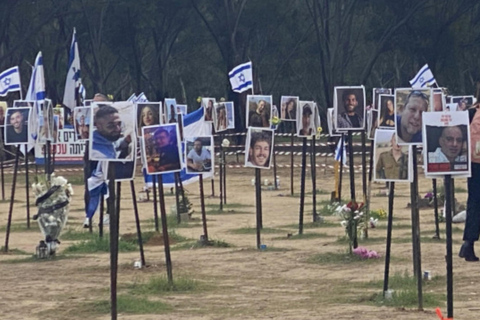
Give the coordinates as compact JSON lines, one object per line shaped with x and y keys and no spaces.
{"x":10,"y":81}
{"x":423,"y":79}
{"x":141,"y":98}
{"x":36,"y":89}
{"x":241,"y":77}
{"x":132,"y":98}
{"x":73,"y":80}
{"x":338,"y":152}
{"x":82,"y":92}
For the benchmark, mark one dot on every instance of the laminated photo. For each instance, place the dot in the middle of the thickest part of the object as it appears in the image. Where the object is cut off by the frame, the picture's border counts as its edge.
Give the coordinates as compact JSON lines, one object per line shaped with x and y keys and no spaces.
{"x":161,"y":148}
{"x":446,"y":137}
{"x":391,"y":161}
{"x":349,"y":108}
{"x":199,"y":154}
{"x":288,"y":108}
{"x":259,"y":111}
{"x":259,"y":148}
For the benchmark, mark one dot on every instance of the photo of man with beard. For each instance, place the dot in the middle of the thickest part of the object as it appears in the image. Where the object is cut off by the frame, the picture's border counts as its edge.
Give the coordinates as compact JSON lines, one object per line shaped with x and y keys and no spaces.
{"x":259,"y":148}
{"x":350,"y":116}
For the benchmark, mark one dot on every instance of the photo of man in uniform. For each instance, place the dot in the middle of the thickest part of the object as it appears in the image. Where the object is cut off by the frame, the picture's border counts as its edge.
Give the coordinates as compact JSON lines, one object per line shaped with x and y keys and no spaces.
{"x":391,"y":164}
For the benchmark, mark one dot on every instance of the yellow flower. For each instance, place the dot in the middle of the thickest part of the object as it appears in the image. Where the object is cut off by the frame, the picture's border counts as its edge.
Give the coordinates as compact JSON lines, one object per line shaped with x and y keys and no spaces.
{"x":275,"y":121}
{"x":199,"y":99}
{"x":110,"y":96}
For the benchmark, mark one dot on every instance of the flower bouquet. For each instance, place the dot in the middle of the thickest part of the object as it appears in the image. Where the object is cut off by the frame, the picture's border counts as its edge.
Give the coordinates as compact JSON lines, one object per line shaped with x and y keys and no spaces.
{"x":53,"y":201}
{"x":353,"y":220}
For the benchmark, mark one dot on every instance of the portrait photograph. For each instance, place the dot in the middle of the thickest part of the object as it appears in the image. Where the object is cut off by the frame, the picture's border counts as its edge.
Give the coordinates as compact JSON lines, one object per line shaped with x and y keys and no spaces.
{"x":288,"y":108}
{"x":438,"y":100}
{"x":259,"y":148}
{"x":87,"y":102}
{"x":207,"y":105}
{"x":450,"y":107}
{"x":306,"y":114}
{"x":220,"y":117}
{"x":349,"y":108}
{"x":391,"y":161}
{"x":170,"y":111}
{"x":82,"y":123}
{"x":410,"y":104}
{"x":182,"y":109}
{"x":113,"y":134}
{"x":16,"y":126}
{"x":259,"y":111}
{"x":332,"y":132}
{"x":148,"y":114}
{"x":161,"y":148}
{"x":45,"y":121}
{"x":60,"y":112}
{"x":372,"y":123}
{"x":376,"y":92}
{"x":386,"y":116}
{"x":446,"y":137}
{"x":199,"y":154}
{"x":462,"y":102}
{"x":3,"y":107}
{"x":230,"y":115}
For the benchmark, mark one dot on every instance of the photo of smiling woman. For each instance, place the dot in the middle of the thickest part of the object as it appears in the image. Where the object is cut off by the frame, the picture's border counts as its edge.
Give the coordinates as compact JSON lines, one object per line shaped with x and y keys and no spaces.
{"x":148,"y":114}
{"x":259,"y":148}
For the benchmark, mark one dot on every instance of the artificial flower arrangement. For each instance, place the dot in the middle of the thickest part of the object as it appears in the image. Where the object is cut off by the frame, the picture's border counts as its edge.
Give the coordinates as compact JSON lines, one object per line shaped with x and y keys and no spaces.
{"x":53,"y":201}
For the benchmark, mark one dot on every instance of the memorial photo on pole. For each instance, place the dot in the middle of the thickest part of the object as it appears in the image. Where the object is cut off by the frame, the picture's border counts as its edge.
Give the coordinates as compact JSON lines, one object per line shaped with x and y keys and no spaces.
{"x":170,"y":111}
{"x":161,"y":148}
{"x":16,"y":126}
{"x":306,"y":119}
{"x":45,"y":121}
{"x":438,"y":100}
{"x":207,"y":105}
{"x":462,"y":102}
{"x":148,"y":114}
{"x":259,"y":111}
{"x":182,"y":109}
{"x":220,"y":117}
{"x":199,"y":153}
{"x":386,"y":116}
{"x":112,"y":135}
{"x":259,"y":148}
{"x":376,"y":95}
{"x":332,"y":132}
{"x":230,"y":115}
{"x":372,"y":123}
{"x":288,"y":108}
{"x":409,"y":106}
{"x":82,"y":122}
{"x":3,"y":108}
{"x":446,"y":137}
{"x":391,"y":161}
{"x":349,"y":108}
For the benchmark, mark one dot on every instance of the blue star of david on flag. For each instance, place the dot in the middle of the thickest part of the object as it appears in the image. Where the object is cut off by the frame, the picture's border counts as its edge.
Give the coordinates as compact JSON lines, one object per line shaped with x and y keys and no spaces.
{"x":9,"y":81}
{"x":241,"y":77}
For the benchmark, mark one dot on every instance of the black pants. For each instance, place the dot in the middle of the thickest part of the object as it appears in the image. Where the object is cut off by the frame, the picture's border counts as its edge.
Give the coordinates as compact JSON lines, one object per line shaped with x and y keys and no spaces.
{"x":472,"y":224}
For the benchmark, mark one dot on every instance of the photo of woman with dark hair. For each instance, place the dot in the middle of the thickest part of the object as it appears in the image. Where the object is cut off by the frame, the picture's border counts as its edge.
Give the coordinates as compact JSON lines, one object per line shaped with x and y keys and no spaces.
{"x":387,"y":111}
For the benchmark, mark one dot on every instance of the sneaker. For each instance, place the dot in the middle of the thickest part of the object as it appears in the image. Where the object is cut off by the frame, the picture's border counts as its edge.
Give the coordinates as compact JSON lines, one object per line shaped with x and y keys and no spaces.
{"x":106,"y":220}
{"x":86,"y":223}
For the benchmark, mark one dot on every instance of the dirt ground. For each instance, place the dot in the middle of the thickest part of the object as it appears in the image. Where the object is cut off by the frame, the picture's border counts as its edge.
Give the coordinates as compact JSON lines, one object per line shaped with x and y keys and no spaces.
{"x":243,"y":283}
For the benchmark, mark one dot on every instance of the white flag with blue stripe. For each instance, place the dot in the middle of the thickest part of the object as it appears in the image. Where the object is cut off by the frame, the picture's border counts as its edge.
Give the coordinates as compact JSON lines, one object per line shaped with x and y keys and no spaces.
{"x":423,"y":79}
{"x":10,"y":81}
{"x":338,"y":152}
{"x":73,"y":81}
{"x":141,"y":98}
{"x":241,"y":77}
{"x":36,"y":89}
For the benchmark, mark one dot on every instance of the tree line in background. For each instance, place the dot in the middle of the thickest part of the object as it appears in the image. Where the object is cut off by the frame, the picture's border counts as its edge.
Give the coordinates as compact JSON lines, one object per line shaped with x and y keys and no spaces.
{"x":185,"y":48}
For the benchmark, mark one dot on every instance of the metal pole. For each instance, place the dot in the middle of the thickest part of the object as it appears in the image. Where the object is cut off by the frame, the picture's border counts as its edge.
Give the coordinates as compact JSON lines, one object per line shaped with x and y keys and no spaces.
{"x":113,"y":240}
{"x":155,"y":204}
{"x":389,"y":237}
{"x":302,"y":186}
{"x":202,"y":204}
{"x":291,"y":160}
{"x":12,"y":199}
{"x":27,"y":187}
{"x":258,"y":196}
{"x":177,"y":197}
{"x":166,"y":240}
{"x":137,"y":223}
{"x":435,"y":209}
{"x":448,"y":214}
{"x":350,"y":164}
{"x":314,"y":179}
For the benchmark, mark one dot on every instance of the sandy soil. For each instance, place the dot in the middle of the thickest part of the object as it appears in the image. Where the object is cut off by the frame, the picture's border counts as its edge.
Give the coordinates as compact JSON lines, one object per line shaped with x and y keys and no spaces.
{"x":243,"y":283}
